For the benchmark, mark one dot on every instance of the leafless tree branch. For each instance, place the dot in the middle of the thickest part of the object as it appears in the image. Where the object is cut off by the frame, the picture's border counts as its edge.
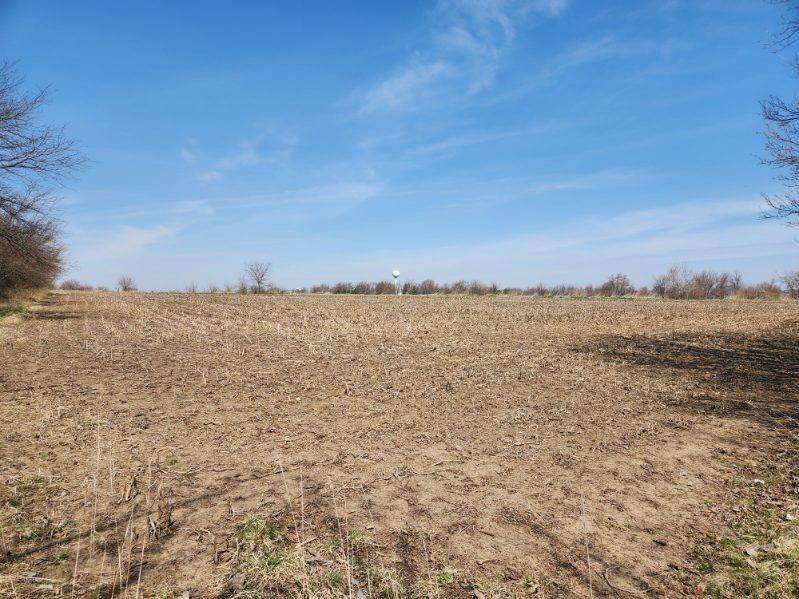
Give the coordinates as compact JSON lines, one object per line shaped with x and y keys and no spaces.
{"x":32,"y":158}
{"x":258,"y":272}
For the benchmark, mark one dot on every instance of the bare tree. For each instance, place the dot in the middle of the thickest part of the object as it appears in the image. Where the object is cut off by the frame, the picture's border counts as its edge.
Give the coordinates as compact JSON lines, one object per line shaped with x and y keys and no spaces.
{"x":790,"y":26}
{"x":782,"y":131}
{"x":258,"y":272}
{"x":673,"y":284}
{"x":32,"y":159}
{"x":73,"y":285}
{"x":681,"y":283}
{"x":241,"y":285}
{"x":427,"y":287}
{"x":126,"y":283}
{"x":791,"y":282}
{"x":30,"y":254}
{"x":617,"y":285}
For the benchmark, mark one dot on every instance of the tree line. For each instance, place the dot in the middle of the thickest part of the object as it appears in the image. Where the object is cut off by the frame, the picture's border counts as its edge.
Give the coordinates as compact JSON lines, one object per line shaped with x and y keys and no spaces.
{"x":256,"y":278}
{"x":676,"y":283}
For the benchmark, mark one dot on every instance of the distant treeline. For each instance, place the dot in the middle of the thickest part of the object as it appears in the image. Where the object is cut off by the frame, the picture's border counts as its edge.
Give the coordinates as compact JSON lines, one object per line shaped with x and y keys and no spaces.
{"x":676,"y":283}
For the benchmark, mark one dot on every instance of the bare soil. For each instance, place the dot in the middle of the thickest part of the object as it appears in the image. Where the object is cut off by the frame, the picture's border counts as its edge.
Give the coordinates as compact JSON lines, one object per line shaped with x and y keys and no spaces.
{"x":151,"y":444}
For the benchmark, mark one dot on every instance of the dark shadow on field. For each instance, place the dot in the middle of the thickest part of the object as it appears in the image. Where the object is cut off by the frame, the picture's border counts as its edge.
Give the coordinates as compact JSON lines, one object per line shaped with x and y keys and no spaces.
{"x":51,"y":299}
{"x":754,"y":376}
{"x":54,"y":309}
{"x":107,"y":522}
{"x":53,"y":315}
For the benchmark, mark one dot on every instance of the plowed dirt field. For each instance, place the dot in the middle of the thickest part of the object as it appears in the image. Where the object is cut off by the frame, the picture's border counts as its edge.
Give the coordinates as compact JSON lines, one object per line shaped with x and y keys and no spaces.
{"x":226,"y":445}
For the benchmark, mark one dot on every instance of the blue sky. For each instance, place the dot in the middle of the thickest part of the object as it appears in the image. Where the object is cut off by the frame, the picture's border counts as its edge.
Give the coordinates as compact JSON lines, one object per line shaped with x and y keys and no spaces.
{"x":516,"y":142}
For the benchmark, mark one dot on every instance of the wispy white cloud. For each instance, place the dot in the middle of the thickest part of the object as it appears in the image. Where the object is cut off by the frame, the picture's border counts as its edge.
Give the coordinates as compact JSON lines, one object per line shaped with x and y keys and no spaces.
{"x":585,"y":53}
{"x":124,"y":241}
{"x":598,"y":180}
{"x":482,"y":194}
{"x":187,"y":155}
{"x":336,"y":193}
{"x":337,"y":196}
{"x":407,"y":85}
{"x":552,"y":8}
{"x":685,"y":216}
{"x":248,"y":156}
{"x":209,"y":176}
{"x":200,"y":207}
{"x":591,"y":51}
{"x":269,"y":145}
{"x":472,"y":139}
{"x":462,"y":55}
{"x":610,"y":47}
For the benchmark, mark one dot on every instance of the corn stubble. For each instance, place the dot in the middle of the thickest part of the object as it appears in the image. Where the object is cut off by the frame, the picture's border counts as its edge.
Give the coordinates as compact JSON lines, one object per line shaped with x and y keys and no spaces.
{"x":320,"y":446}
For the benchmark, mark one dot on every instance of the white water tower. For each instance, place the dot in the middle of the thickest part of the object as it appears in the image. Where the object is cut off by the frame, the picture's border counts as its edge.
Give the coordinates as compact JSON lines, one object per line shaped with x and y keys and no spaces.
{"x":395,"y":273}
